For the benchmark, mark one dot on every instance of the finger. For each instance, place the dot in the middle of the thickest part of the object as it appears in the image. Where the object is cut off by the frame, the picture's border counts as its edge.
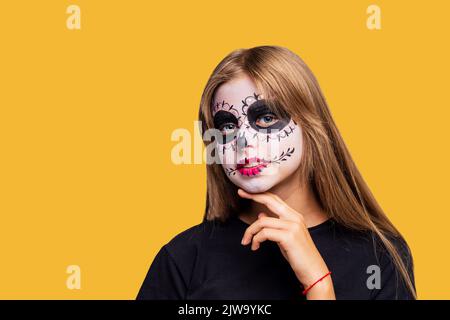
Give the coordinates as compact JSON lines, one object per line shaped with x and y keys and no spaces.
{"x":274,"y":203}
{"x":276,"y":235}
{"x":264,"y":222}
{"x":264,"y":198}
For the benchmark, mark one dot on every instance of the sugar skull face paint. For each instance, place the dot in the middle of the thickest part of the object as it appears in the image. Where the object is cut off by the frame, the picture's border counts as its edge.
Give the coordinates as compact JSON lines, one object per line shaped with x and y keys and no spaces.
{"x":257,"y":149}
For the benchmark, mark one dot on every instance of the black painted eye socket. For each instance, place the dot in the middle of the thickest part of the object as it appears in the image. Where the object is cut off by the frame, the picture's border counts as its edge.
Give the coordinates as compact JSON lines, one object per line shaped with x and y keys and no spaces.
{"x":227,"y":123}
{"x":262,"y":118}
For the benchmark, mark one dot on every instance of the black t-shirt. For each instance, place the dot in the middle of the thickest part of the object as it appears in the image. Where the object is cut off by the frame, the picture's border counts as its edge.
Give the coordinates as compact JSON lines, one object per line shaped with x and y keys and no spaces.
{"x":207,"y":261}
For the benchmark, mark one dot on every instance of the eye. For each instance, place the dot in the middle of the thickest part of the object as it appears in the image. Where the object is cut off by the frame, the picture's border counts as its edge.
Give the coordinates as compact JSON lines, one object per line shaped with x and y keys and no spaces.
{"x":262,"y":118}
{"x":266,"y":120}
{"x":227,"y":128}
{"x":227,"y":124}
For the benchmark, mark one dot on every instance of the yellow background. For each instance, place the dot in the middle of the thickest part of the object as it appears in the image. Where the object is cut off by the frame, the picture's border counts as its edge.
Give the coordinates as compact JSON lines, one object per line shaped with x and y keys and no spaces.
{"x":86,"y":118}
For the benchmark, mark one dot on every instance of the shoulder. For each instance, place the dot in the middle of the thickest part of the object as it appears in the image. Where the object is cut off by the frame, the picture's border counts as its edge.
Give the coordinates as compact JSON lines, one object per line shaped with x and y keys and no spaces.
{"x":400,"y":245}
{"x":185,"y":246}
{"x":368,"y":248}
{"x":367,"y":239}
{"x":170,"y":272}
{"x":393,"y":280}
{"x":189,"y":237}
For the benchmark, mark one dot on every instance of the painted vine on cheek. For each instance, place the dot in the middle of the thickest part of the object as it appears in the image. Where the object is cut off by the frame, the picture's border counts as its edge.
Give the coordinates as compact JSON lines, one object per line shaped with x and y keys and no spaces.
{"x":278,"y":136}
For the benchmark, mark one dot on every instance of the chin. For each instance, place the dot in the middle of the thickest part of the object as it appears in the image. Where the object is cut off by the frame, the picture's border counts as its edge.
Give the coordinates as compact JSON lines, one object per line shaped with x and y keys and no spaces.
{"x":255,"y":185}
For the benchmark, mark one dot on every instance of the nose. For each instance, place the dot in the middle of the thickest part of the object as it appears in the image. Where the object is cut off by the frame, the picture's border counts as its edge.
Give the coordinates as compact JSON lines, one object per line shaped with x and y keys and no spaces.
{"x":242,"y":141}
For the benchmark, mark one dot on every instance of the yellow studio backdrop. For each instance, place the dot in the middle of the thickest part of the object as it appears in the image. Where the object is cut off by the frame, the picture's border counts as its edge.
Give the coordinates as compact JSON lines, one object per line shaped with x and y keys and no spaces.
{"x":86,"y":117}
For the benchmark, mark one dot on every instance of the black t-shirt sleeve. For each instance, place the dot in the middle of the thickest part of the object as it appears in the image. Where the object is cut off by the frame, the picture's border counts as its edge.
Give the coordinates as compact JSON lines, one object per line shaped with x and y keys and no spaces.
{"x":393,"y":286}
{"x":164,"y":280}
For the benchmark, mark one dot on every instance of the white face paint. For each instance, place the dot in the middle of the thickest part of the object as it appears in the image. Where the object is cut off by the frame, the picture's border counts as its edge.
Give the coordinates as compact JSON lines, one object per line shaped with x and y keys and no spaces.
{"x":258,"y":150}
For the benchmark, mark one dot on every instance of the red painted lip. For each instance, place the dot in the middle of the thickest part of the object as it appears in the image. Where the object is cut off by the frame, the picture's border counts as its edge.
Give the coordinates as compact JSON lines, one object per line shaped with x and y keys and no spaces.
{"x":246,"y":169}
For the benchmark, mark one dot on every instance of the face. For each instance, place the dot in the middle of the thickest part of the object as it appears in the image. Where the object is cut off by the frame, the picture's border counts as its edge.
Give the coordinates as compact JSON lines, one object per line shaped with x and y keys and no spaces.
{"x":257,"y":149}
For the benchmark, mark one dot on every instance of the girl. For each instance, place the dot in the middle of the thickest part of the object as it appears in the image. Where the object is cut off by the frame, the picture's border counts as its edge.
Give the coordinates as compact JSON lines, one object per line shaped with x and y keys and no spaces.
{"x":288,"y":215}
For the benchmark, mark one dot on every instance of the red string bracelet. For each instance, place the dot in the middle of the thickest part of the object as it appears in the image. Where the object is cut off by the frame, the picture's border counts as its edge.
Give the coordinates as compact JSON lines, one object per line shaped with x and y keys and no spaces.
{"x":307,"y":289}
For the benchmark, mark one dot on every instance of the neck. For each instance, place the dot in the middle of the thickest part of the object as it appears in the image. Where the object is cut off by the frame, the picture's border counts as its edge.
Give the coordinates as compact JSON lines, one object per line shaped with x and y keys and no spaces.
{"x":297,"y":196}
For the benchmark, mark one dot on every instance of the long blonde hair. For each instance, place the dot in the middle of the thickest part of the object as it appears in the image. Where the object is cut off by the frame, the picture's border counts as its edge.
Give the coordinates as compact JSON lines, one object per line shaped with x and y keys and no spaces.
{"x":326,"y":162}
